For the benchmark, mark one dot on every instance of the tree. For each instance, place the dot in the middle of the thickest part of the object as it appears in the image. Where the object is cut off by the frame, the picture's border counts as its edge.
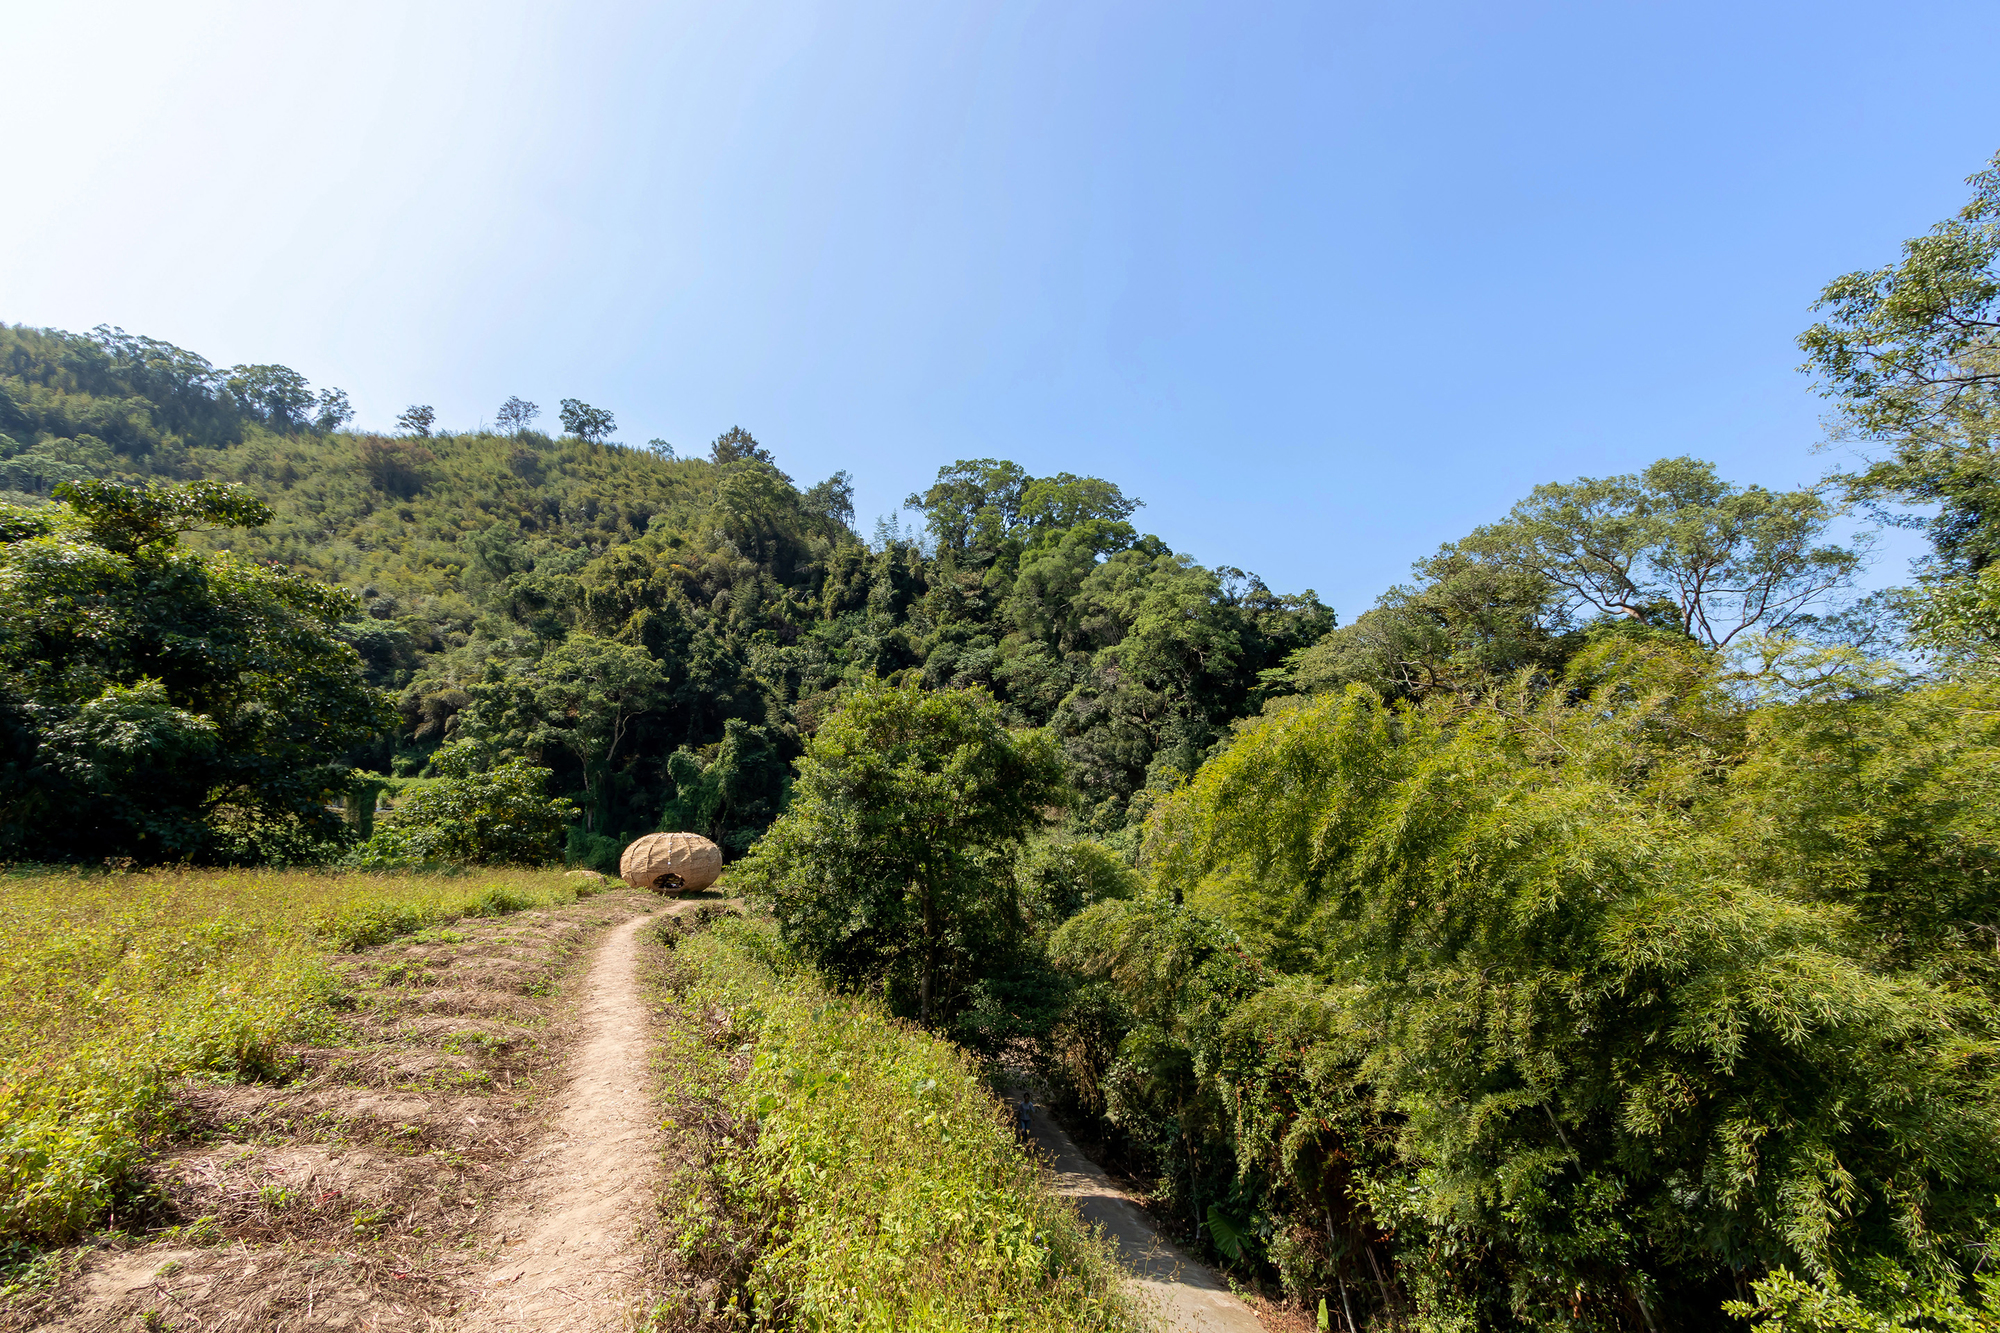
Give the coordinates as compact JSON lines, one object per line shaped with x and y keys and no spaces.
{"x":660,"y":449}
{"x":515,"y":414}
{"x":334,"y":410}
{"x":893,"y":865}
{"x":593,"y":425}
{"x":581,"y":697}
{"x":418,"y":420}
{"x":1673,"y":542}
{"x":1046,"y":602}
{"x":1462,"y":625}
{"x":49,"y":463}
{"x":1910,"y":353}
{"x":757,"y":588}
{"x":1557,"y":972}
{"x":832,"y":500}
{"x":974,"y":505}
{"x":499,"y":816}
{"x":732,"y":798}
{"x":977,"y":507}
{"x":736,"y":444}
{"x":276,"y":395}
{"x":162,"y":703}
{"x":1056,"y":504}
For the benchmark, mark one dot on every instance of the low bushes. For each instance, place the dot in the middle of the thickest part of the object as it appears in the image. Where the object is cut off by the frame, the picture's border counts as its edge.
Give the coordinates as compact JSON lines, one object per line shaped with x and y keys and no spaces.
{"x":860,"y":1175}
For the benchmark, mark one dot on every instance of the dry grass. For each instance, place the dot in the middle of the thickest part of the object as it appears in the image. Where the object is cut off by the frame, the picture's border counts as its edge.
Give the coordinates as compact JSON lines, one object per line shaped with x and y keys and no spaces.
{"x":114,"y":987}
{"x":365,"y":1186}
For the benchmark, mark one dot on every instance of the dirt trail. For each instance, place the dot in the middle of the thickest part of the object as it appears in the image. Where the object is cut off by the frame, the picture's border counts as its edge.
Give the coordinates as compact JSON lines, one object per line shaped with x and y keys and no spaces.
{"x":568,"y":1253}
{"x":1182,"y":1294}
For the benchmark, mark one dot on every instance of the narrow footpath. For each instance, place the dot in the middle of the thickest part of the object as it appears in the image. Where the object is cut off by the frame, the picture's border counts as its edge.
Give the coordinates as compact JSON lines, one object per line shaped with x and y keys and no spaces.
{"x":1181,"y":1293}
{"x":566,"y":1261}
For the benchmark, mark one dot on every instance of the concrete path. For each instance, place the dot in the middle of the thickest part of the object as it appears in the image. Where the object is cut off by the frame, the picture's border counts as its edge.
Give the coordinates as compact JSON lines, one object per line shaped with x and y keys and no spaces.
{"x":1182,"y":1293}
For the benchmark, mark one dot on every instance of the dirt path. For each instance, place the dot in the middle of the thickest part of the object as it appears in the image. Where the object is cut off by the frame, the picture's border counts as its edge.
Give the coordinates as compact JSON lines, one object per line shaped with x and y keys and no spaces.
{"x":1182,"y":1293}
{"x":567,"y":1252}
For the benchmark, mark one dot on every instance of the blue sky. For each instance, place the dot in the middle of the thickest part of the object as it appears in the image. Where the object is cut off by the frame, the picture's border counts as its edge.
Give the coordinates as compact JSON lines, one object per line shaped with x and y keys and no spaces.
{"x":1325,"y":285}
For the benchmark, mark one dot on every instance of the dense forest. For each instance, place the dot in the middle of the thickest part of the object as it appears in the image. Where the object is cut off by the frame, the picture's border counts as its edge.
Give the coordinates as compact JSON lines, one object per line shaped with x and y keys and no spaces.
{"x":1599,"y":932}
{"x":661,"y":633}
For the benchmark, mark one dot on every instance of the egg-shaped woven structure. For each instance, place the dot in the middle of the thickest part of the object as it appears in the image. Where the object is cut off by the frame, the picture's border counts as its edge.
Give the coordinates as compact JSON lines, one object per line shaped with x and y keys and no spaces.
{"x":671,"y":863}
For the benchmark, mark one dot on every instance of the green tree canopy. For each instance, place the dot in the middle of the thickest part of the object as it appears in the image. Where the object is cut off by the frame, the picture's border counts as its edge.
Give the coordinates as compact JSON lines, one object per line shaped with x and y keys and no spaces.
{"x":1675,"y":541}
{"x":1910,"y":353}
{"x":1574,"y":997}
{"x":475,"y":552}
{"x":978,"y":506}
{"x":591,"y":424}
{"x":892,"y":868}
{"x":583,"y":697}
{"x":160,"y":703}
{"x":1464,"y":623}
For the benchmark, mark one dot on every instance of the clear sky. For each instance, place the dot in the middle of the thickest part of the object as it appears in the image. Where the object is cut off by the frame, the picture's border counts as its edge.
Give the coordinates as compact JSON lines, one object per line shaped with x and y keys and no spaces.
{"x":1324,"y":284}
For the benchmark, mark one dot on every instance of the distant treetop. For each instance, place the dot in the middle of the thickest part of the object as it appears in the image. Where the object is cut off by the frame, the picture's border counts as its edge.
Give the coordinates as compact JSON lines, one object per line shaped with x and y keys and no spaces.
{"x":977,"y":504}
{"x":418,"y":420}
{"x":516,"y":413}
{"x":590,"y":424}
{"x":737,"y":443}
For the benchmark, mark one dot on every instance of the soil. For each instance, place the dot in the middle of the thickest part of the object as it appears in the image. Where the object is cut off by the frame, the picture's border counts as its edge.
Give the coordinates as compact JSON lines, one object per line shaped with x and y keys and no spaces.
{"x":474,"y":1157}
{"x":571,"y":1232}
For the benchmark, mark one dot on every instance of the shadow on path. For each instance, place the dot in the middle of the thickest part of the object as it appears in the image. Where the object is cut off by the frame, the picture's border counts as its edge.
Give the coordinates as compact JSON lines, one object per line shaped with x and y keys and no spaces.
{"x":1182,"y":1293}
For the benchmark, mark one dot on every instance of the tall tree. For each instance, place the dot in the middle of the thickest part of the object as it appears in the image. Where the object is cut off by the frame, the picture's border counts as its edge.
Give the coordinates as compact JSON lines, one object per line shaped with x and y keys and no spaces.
{"x":893,"y":865}
{"x":161,"y":703}
{"x":974,"y":505}
{"x":1675,"y":541}
{"x":1910,"y":354}
{"x":1584,"y":1046}
{"x":516,"y":413}
{"x":276,"y":395}
{"x":418,"y":420}
{"x":593,"y":425}
{"x":737,"y":444}
{"x":581,"y":697}
{"x":334,"y":410}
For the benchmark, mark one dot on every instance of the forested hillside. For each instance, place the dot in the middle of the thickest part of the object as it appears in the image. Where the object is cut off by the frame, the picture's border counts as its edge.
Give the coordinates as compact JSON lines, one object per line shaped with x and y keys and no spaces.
{"x":1596,"y":933}
{"x":659,"y":632}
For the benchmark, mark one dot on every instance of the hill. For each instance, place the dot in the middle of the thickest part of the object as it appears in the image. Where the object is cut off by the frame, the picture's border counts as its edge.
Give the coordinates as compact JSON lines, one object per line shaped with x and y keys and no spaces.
{"x":477,"y":554}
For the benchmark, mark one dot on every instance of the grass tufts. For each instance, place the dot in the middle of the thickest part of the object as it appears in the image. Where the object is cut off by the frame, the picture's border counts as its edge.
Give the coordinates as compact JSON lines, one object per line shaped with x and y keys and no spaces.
{"x":859,"y":1176}
{"x":113,"y":987}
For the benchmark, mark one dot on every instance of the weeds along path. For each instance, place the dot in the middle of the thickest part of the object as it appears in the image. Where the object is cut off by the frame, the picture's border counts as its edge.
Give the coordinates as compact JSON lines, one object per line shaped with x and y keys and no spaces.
{"x":1181,"y":1294}
{"x":568,"y":1254}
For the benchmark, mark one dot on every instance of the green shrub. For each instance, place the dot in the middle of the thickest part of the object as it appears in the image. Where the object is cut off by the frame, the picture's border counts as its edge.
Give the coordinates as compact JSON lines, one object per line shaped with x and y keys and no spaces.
{"x":593,"y":851}
{"x":498,"y":817}
{"x":1556,"y":1004}
{"x":1787,"y":1304}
